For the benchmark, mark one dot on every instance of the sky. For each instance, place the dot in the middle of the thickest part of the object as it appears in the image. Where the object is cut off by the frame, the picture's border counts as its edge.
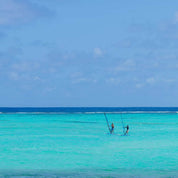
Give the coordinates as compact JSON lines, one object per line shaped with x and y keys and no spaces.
{"x":90,"y":53}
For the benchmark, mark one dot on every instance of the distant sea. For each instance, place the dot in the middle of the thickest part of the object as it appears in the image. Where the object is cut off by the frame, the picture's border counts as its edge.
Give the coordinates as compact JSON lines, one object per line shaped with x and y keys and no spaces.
{"x":87,"y":109}
{"x":75,"y":142}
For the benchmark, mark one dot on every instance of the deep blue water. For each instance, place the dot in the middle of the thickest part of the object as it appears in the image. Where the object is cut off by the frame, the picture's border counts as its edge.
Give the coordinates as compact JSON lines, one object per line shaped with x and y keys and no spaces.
{"x":88,"y":109}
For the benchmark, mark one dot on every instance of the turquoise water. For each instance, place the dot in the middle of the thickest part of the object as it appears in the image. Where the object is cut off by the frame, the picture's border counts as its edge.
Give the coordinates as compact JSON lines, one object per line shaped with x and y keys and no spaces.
{"x":78,"y":145}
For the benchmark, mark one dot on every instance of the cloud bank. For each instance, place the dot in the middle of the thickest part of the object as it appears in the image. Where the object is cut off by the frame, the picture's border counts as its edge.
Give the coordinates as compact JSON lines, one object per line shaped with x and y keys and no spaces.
{"x":20,"y":11}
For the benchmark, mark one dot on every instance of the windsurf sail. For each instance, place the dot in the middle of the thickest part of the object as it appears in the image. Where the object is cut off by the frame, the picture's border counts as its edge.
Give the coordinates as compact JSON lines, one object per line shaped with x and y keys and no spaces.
{"x":123,"y":127}
{"x":107,"y":123}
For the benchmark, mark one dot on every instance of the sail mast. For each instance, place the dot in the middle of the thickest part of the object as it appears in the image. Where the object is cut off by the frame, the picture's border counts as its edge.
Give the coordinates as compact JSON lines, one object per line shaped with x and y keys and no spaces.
{"x":107,"y":123}
{"x":122,"y":124}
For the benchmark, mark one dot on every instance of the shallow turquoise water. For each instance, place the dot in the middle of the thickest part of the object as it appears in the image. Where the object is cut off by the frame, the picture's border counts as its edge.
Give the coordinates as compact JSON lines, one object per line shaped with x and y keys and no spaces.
{"x":79,"y":142}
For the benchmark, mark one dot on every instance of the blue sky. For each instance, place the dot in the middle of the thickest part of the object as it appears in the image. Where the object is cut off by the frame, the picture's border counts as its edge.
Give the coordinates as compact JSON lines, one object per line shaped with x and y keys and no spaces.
{"x":88,"y":53}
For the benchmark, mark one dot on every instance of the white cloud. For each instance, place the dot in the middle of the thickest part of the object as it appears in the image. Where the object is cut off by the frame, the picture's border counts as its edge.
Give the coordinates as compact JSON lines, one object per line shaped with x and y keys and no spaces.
{"x":113,"y":80}
{"x":169,"y":80}
{"x":20,"y":67}
{"x":139,"y":85}
{"x":36,"y":78}
{"x":125,"y":66}
{"x":76,"y":74}
{"x":49,"y":89}
{"x":98,"y":52}
{"x":14,"y":76}
{"x":83,"y":79}
{"x":176,"y":16}
{"x":79,"y":80}
{"x":151,"y":80}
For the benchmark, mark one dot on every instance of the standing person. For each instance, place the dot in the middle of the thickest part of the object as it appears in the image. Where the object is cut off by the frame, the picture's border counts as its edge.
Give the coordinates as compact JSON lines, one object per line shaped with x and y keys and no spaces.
{"x":112,"y":128}
{"x":127,"y":131}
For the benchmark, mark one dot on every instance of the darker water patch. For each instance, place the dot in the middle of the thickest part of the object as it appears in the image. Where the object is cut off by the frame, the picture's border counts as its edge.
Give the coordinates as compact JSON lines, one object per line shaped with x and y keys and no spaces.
{"x":94,"y":173}
{"x":81,"y":122}
{"x":46,"y":110}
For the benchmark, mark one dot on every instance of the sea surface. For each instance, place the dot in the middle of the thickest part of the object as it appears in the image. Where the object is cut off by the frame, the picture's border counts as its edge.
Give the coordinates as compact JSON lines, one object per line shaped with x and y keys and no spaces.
{"x":75,"y":142}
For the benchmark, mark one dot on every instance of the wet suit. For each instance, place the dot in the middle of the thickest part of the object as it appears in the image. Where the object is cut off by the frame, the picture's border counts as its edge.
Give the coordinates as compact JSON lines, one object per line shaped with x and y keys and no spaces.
{"x":126,"y":133}
{"x":112,"y":128}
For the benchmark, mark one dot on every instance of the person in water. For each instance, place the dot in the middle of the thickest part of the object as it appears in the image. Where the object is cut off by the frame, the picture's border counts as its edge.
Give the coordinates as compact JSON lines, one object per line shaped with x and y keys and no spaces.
{"x":127,"y":131}
{"x":112,"y":128}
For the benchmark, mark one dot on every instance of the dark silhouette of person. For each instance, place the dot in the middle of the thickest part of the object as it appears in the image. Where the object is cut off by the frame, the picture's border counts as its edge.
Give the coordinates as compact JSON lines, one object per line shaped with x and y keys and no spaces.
{"x":127,"y":131}
{"x":112,"y":128}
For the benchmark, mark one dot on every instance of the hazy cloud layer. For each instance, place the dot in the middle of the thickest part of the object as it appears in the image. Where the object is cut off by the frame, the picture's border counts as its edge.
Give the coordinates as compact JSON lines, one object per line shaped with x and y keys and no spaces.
{"x":85,"y":55}
{"x":19,"y":11}
{"x":81,"y":67}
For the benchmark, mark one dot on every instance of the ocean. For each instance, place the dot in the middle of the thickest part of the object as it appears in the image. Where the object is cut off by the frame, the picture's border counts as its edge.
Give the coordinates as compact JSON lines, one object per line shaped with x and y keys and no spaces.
{"x":75,"y":142}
